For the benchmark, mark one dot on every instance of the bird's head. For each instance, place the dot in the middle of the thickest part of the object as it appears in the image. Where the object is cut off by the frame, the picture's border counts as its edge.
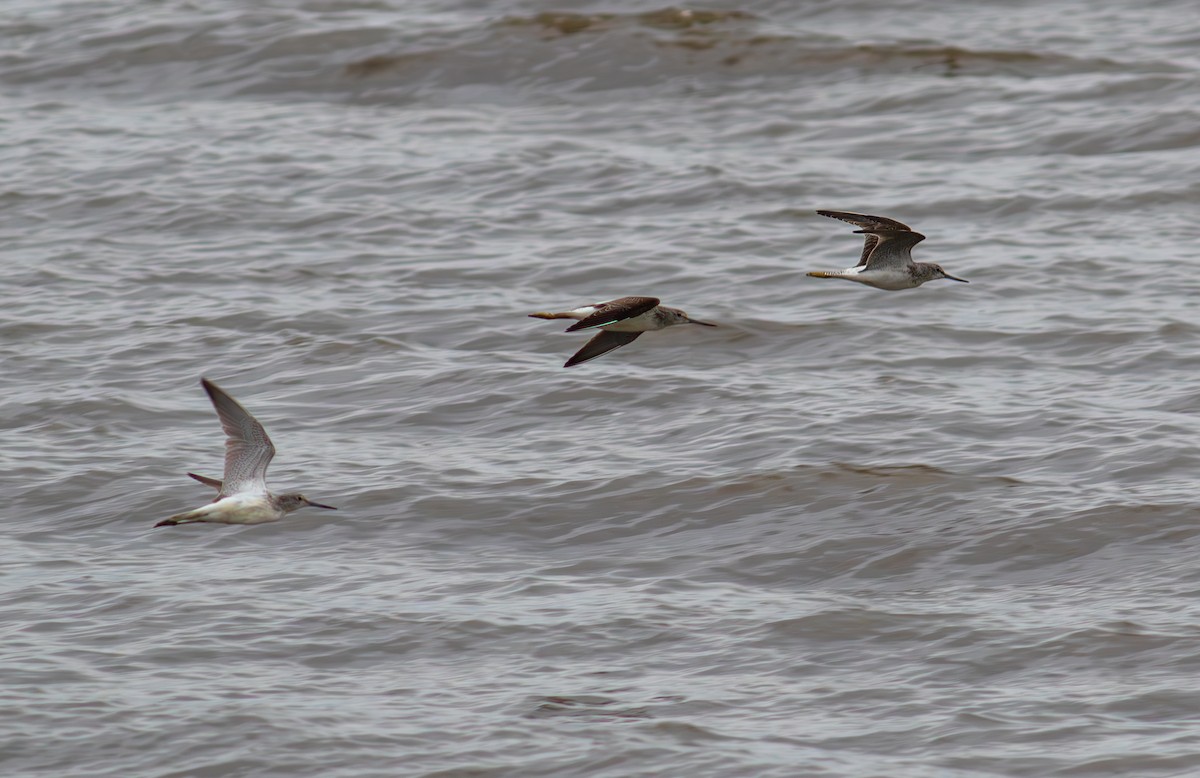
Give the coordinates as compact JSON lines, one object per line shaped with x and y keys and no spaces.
{"x":292,"y":502}
{"x":676,"y":316}
{"x":939,"y":273}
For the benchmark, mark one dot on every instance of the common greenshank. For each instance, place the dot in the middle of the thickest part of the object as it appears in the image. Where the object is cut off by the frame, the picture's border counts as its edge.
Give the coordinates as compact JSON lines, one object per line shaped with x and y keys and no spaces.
{"x":886,"y":261}
{"x":242,"y":495}
{"x":620,"y":322}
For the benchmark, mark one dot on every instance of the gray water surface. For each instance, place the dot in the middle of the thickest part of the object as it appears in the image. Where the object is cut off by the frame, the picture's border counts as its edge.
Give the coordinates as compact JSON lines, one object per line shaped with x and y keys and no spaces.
{"x":949,"y":531}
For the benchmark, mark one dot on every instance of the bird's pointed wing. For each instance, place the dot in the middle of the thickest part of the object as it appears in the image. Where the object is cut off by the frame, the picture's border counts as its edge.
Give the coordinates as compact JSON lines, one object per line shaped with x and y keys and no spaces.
{"x":888,"y":242}
{"x":868,"y":246}
{"x":894,"y":250}
{"x":614,"y":311}
{"x":248,"y":450}
{"x":215,"y":483}
{"x":600,"y":345}
{"x":866,"y":222}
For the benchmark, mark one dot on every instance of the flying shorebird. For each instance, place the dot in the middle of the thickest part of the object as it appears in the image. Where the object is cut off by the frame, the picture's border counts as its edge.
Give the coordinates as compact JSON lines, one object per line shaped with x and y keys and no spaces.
{"x":242,"y":496}
{"x":886,"y":261}
{"x":620,"y":321}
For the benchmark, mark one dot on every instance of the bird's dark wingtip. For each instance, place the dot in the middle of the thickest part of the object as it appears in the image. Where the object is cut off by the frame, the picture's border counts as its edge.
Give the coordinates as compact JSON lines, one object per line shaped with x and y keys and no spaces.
{"x":211,"y":389}
{"x":576,"y":360}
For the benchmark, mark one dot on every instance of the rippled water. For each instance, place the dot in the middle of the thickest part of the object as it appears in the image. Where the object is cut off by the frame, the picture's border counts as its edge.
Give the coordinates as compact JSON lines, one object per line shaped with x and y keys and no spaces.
{"x":949,"y":531}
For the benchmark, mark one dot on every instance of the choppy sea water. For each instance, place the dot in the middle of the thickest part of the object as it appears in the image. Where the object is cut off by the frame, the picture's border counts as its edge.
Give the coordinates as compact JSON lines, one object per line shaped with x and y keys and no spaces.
{"x":949,"y":531}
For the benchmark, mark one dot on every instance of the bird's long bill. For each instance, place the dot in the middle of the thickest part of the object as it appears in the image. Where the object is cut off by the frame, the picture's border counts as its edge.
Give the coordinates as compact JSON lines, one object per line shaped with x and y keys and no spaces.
{"x":701,"y":323}
{"x":955,"y":278}
{"x":321,"y":505}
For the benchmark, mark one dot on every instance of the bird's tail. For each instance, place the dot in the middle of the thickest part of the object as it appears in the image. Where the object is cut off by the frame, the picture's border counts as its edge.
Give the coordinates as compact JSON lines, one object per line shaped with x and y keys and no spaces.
{"x":822,"y":274}
{"x":187,"y":517}
{"x":550,"y":315}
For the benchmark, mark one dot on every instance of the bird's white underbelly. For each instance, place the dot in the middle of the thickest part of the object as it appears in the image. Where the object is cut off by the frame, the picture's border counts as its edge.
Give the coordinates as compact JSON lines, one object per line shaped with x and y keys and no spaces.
{"x":241,"y":509}
{"x":890,"y":279}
